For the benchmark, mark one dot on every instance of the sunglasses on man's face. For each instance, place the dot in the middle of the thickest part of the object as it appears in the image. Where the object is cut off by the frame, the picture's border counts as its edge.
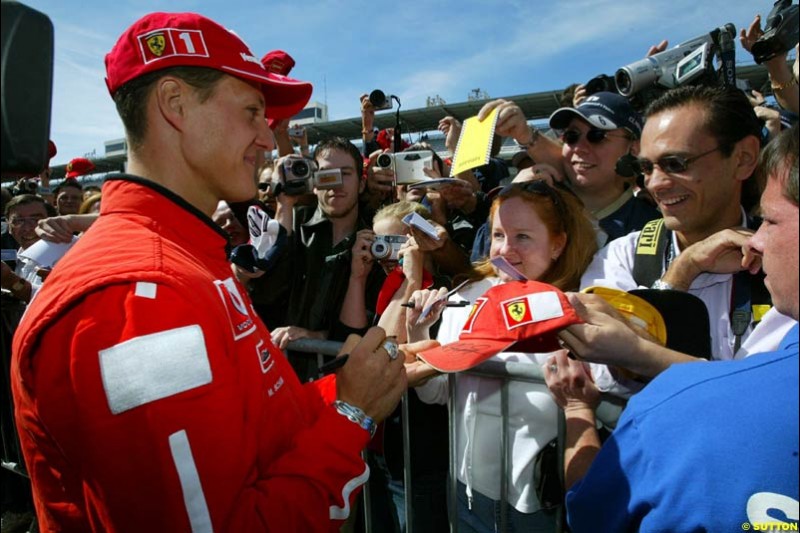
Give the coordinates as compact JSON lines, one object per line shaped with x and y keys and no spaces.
{"x":594,"y":136}
{"x":670,"y":164}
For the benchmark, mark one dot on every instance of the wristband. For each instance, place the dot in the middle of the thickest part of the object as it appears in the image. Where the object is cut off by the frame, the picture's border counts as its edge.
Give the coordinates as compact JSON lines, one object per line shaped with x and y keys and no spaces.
{"x":534,"y":137}
{"x":44,"y":190}
{"x":791,"y":82}
{"x":357,"y":416}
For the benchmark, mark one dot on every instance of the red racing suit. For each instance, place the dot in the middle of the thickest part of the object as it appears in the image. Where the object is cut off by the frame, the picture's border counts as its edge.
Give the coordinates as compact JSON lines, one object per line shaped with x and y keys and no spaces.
{"x":149,"y":396}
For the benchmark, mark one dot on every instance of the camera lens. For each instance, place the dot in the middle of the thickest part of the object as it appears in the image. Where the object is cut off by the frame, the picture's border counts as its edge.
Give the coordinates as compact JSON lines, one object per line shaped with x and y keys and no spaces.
{"x":380,"y":250}
{"x":384,"y":161}
{"x":377,"y":98}
{"x":300,"y":168}
{"x":624,"y":84}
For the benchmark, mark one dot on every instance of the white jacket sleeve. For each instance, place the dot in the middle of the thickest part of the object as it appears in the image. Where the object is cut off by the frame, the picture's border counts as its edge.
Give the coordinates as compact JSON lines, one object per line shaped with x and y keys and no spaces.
{"x":612,"y":266}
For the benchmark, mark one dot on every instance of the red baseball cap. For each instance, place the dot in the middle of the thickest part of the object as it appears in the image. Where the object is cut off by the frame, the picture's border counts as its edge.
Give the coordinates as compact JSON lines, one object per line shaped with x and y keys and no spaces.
{"x":521,"y":316}
{"x":162,"y":40}
{"x":78,"y":167}
{"x":278,"y":61}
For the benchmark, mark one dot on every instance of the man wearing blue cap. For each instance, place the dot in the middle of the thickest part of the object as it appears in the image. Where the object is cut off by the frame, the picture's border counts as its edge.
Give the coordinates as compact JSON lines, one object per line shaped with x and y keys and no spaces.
{"x":597,"y":136}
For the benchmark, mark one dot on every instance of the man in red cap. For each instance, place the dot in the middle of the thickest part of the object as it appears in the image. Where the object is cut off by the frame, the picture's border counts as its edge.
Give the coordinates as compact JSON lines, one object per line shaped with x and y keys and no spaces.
{"x":148,"y":394}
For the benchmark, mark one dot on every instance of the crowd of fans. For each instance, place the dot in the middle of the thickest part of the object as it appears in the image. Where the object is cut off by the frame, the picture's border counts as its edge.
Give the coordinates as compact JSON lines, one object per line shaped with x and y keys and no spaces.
{"x":669,"y":198}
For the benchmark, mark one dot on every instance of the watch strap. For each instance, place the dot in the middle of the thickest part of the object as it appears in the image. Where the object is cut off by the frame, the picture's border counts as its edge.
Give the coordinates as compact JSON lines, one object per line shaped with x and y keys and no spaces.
{"x":357,"y":416}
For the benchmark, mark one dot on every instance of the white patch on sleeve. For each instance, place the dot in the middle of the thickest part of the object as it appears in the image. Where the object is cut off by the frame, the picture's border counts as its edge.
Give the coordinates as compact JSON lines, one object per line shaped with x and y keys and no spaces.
{"x":193,"y":497}
{"x":545,"y":305}
{"x":152,"y":367}
{"x":343,"y":513}
{"x":146,"y":290}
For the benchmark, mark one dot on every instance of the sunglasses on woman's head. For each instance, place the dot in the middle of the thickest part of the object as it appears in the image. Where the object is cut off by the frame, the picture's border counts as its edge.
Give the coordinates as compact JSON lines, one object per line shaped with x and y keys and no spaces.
{"x":537,"y":187}
{"x":593,"y":135}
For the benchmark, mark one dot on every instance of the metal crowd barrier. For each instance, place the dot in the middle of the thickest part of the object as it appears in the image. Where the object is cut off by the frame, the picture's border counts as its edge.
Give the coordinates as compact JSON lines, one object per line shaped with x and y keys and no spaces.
{"x":607,"y":412}
{"x":12,"y":460}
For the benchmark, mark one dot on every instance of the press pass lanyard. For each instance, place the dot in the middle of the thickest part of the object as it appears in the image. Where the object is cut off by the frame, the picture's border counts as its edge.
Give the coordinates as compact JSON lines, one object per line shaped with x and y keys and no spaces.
{"x":741,"y":314}
{"x":741,"y":308}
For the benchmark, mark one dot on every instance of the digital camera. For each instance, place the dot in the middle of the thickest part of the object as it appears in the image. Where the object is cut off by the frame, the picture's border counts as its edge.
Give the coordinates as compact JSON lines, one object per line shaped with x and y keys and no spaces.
{"x":387,"y":247}
{"x":408,"y":166}
{"x":379,"y":100}
{"x":328,"y":179}
{"x":296,"y":175}
{"x":781,"y":32}
{"x":296,"y":131}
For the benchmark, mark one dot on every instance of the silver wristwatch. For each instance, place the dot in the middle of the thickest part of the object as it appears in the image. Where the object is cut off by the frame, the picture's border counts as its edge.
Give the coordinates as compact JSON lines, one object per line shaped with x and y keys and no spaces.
{"x":661,"y":285}
{"x":357,"y":416}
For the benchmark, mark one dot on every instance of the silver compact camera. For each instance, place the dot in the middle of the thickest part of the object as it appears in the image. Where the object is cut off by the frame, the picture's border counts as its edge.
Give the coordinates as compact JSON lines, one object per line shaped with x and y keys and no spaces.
{"x":387,"y":247}
{"x":328,"y":179}
{"x":409,"y":167}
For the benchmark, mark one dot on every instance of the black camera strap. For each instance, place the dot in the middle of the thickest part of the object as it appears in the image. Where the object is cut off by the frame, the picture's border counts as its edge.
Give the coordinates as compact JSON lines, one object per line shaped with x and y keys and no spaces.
{"x":727,"y":57}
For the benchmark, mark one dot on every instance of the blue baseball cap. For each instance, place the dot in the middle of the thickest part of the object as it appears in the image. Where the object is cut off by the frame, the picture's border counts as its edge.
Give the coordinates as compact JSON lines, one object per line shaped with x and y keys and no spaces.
{"x":603,"y":110}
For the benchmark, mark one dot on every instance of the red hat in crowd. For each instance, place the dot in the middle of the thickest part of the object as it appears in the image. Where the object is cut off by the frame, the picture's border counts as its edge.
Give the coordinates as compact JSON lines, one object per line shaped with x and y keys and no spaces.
{"x":281,"y":63}
{"x":51,"y":150}
{"x":162,"y":40}
{"x":79,"y":167}
{"x":278,"y":62}
{"x":520,"y":316}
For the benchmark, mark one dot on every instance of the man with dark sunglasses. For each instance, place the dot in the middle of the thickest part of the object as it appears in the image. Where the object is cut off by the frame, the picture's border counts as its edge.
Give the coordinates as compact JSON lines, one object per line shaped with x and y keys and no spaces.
{"x":699,"y":149}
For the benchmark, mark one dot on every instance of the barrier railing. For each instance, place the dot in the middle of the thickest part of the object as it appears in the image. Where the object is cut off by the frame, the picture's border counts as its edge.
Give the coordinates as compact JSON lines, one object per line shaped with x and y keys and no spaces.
{"x":608,"y":412}
{"x":12,"y":310}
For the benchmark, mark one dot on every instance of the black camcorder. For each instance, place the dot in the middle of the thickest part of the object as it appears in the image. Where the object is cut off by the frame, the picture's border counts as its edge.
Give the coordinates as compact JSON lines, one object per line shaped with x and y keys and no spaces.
{"x":27,"y":186}
{"x":601,"y":83}
{"x":781,"y":32}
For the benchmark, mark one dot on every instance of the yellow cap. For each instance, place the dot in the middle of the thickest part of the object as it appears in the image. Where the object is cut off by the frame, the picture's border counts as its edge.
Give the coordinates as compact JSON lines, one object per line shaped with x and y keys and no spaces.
{"x":636,"y":310}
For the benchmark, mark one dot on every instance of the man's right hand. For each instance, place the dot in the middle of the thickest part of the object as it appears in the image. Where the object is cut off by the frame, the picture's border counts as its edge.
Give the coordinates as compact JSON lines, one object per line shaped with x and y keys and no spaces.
{"x":371,"y":380}
{"x":721,"y":253}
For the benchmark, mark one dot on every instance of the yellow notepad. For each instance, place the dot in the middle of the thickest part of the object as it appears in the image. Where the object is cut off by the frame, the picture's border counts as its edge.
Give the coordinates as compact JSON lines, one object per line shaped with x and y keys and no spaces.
{"x":474,"y":144}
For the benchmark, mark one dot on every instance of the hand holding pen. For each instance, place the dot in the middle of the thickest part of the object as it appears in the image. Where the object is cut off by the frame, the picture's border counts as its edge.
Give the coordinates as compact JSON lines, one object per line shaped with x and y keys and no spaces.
{"x":425,"y":308}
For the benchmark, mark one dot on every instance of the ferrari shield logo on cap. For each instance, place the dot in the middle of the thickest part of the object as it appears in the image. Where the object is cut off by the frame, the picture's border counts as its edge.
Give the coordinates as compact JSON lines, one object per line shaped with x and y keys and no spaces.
{"x":156,"y":43}
{"x":517,"y":312}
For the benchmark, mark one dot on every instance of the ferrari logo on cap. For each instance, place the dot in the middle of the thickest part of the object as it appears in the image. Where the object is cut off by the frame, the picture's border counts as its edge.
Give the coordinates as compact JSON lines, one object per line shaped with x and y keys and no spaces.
{"x":516,"y":311}
{"x":156,"y":43}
